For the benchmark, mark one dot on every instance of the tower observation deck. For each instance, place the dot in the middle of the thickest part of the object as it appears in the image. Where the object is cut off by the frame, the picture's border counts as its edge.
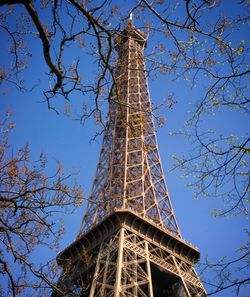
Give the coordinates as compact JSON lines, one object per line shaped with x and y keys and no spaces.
{"x":129,"y":242}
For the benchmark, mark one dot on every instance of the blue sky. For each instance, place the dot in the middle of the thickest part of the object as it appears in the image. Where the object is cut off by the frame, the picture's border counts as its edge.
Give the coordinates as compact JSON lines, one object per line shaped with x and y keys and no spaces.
{"x":67,"y":140}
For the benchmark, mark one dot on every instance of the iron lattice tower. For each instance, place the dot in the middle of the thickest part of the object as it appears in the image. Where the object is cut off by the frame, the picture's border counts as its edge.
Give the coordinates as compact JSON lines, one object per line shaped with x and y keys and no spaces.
{"x":129,"y":243}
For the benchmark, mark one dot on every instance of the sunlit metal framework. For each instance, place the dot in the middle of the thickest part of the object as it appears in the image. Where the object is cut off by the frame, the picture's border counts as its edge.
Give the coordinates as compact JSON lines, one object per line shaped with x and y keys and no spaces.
{"x":129,"y":243}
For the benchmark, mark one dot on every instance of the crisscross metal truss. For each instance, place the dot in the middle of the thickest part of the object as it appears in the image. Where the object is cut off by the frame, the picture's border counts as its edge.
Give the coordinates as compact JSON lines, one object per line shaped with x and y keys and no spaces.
{"x":125,"y":265}
{"x":129,"y":243}
{"x":129,"y":174}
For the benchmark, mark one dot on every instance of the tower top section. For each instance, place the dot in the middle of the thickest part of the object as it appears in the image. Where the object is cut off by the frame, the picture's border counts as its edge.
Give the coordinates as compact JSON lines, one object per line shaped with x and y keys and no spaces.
{"x":129,"y":174}
{"x":131,"y":31}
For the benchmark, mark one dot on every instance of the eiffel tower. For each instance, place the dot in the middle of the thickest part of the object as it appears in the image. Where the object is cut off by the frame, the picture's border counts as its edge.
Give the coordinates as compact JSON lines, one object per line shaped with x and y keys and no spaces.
{"x":129,"y":243}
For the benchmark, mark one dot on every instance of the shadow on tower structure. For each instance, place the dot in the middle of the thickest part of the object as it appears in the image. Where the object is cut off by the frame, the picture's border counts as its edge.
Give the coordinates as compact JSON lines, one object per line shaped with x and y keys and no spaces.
{"x":129,"y":243}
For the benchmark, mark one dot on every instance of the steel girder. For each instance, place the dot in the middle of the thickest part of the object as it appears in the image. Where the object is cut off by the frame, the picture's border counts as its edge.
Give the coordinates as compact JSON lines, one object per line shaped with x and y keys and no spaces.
{"x":123,"y":268}
{"x":129,"y":234}
{"x":129,"y":172}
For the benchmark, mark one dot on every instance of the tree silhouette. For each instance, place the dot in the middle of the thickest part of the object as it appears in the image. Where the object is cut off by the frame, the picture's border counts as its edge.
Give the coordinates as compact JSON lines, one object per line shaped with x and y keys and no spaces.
{"x":31,"y":202}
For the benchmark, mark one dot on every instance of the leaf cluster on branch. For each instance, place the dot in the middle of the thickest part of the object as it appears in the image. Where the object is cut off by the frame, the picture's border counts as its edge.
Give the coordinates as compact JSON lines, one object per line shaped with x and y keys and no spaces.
{"x":31,"y":207}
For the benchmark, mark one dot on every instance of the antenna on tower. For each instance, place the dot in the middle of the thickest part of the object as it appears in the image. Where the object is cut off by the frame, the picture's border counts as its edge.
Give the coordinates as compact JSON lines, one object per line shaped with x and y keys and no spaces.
{"x":131,"y":15}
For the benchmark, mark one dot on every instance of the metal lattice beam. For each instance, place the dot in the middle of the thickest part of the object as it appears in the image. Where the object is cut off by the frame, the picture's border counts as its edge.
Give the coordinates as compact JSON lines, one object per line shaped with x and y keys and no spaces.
{"x":129,"y":243}
{"x":129,"y":173}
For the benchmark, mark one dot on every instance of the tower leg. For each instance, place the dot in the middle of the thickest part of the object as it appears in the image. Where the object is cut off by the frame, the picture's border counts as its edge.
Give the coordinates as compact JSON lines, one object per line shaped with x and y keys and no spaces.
{"x":119,"y":264}
{"x":182,"y":280}
{"x":93,"y":285}
{"x":128,"y":265}
{"x":151,"y":294}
